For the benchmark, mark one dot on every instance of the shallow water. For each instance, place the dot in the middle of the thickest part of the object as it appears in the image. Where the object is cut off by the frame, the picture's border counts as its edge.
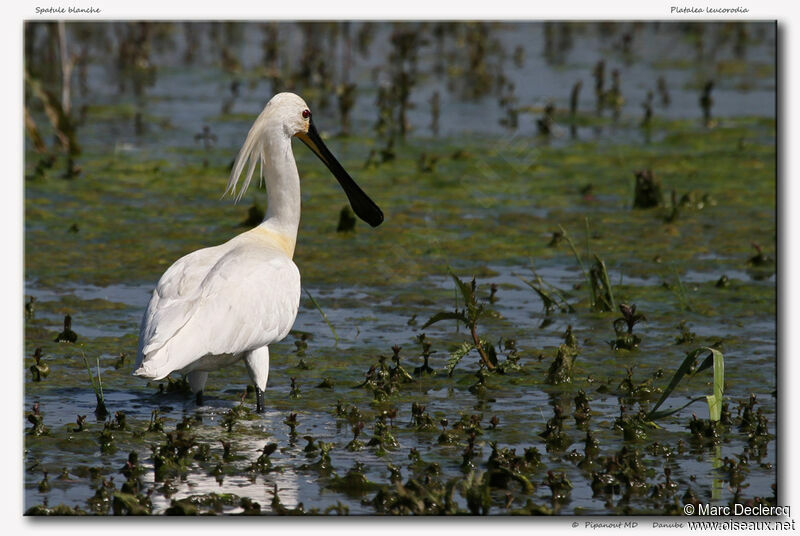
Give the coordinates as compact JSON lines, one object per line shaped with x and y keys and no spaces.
{"x":490,"y":211}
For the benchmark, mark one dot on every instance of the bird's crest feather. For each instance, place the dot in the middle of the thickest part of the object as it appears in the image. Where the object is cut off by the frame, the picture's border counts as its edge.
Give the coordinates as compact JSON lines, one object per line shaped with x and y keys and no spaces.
{"x":253,"y":151}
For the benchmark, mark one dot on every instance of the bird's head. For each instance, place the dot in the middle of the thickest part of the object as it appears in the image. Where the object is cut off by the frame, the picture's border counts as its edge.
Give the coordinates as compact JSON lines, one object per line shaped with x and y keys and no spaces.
{"x":292,"y":117}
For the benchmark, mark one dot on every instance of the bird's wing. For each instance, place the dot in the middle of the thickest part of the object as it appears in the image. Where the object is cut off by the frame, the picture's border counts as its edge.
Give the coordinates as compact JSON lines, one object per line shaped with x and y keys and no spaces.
{"x":230,"y":300}
{"x":169,"y":307}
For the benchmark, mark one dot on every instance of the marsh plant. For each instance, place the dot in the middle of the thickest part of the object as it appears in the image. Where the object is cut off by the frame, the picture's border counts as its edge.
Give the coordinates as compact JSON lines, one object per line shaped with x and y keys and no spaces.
{"x":469,"y":316}
{"x":97,"y":386}
{"x":623,"y":328}
{"x":689,"y":368}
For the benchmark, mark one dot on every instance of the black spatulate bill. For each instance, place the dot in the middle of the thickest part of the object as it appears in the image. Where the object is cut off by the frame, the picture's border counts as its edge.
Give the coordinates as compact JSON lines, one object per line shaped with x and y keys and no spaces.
{"x":364,"y":207}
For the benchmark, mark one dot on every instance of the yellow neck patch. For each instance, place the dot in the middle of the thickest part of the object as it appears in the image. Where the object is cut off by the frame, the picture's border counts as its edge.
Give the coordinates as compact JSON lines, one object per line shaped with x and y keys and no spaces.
{"x":276,"y":239}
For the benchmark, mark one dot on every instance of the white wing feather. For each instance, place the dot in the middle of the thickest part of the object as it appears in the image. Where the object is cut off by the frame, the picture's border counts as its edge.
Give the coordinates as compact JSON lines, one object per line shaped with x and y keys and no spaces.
{"x":226,"y":299}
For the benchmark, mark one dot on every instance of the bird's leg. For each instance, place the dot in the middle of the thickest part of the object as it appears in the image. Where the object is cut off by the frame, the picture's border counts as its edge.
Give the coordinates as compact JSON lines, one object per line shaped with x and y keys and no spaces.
{"x":197,"y":381}
{"x":259,"y":401}
{"x":257,"y":362}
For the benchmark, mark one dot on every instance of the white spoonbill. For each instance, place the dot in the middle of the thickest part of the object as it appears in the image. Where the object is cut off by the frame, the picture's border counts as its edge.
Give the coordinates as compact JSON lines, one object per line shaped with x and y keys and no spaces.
{"x":226,"y":303}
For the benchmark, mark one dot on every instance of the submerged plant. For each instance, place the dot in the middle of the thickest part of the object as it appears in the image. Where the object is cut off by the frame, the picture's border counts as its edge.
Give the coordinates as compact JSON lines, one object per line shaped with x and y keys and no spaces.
{"x":623,"y":327}
{"x":39,"y":369}
{"x":324,"y":316}
{"x":97,"y":385}
{"x":291,"y":422}
{"x":760,"y":258}
{"x":420,"y":420}
{"x":560,"y":370}
{"x":67,"y":335}
{"x":687,"y":335}
{"x":552,"y":298}
{"x":647,"y":192}
{"x":208,"y":139}
{"x":545,"y":123}
{"x":356,"y":444}
{"x":37,"y":422}
{"x":602,"y":297}
{"x":255,"y":215}
{"x":706,"y":102}
{"x":469,"y":316}
{"x":425,"y":368}
{"x":347,"y":220}
{"x":264,"y":464}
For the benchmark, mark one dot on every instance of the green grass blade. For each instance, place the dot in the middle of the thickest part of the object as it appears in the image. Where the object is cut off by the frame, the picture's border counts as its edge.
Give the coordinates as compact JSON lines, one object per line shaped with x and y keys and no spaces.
{"x":91,"y":377}
{"x":715,"y":400}
{"x":577,"y":256}
{"x":656,"y":415}
{"x":99,"y":381}
{"x":548,"y":301}
{"x":684,"y":369}
{"x":324,"y":316}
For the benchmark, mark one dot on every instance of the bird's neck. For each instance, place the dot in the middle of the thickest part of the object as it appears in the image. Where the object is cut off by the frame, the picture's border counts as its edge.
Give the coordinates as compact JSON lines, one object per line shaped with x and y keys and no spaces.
{"x":283,"y":189}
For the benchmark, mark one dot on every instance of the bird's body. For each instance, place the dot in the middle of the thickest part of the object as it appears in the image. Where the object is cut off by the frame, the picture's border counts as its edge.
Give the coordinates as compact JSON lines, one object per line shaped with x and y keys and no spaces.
{"x":218,"y":305}
{"x":226,"y":299}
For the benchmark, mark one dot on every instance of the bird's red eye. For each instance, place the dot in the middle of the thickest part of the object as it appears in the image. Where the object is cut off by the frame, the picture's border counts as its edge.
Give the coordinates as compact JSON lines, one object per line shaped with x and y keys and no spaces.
{"x":306,"y":114}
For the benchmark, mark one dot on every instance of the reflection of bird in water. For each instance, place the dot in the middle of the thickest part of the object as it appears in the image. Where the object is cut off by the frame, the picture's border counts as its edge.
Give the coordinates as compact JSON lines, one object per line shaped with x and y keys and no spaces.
{"x":221,"y":304}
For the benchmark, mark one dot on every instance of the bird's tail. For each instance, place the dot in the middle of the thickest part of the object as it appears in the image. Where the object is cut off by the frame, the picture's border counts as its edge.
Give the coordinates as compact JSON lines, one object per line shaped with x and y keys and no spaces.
{"x":149,"y":374}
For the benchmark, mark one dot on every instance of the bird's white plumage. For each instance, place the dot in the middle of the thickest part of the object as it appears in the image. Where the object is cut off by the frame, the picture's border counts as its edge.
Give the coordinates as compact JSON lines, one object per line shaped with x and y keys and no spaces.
{"x":227,"y":299}
{"x":229,"y":302}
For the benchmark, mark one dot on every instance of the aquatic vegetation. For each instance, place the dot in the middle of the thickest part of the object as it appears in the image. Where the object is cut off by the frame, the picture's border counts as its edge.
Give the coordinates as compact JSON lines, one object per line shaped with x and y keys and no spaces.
{"x":760,"y":258}
{"x":322,"y":313}
{"x":347,"y":220}
{"x":354,"y":482}
{"x":208,"y":138}
{"x":58,"y":112}
{"x":647,"y":193}
{"x":39,"y":369}
{"x":255,"y":215}
{"x":554,"y":437}
{"x":623,"y":328}
{"x":421,"y":421}
{"x":552,"y":298}
{"x":323,"y":465}
{"x":602,"y":297}
{"x":67,"y":335}
{"x":81,"y":422}
{"x":469,"y":316}
{"x":435,"y":113}
{"x":706,"y":103}
{"x":97,"y":385}
{"x":647,"y":107}
{"x":560,"y":370}
{"x":294,"y":392}
{"x":346,"y":99}
{"x":172,"y":458}
{"x":356,"y":444}
{"x":37,"y":421}
{"x":686,"y":335}
{"x":425,"y":368}
{"x":689,"y":367}
{"x":545,"y":123}
{"x":582,"y":410}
